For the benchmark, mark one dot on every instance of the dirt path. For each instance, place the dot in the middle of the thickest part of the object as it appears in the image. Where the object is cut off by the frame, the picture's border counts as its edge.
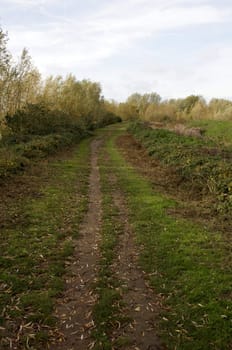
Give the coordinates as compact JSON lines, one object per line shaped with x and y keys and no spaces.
{"x":75,"y":307}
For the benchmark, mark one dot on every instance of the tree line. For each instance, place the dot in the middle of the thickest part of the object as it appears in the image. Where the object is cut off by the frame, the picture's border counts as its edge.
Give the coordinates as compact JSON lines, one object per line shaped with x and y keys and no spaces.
{"x":151,"y":107}
{"x":30,"y":105}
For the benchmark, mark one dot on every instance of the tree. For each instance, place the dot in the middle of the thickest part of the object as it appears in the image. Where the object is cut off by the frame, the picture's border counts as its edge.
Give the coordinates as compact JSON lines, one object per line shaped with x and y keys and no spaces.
{"x":220,"y":109}
{"x":140,"y":103}
{"x":5,"y":66}
{"x":187,"y":104}
{"x":19,"y":83}
{"x":81,"y":100}
{"x":27,"y":81}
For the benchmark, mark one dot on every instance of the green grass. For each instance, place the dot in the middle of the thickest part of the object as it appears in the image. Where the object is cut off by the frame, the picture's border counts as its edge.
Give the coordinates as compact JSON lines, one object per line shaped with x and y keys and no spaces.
{"x":33,"y":254}
{"x":218,"y":130}
{"x":107,"y":311}
{"x":187,"y":264}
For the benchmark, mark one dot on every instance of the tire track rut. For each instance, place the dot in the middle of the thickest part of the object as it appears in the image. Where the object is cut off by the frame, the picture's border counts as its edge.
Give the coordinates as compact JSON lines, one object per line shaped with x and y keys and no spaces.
{"x":142,"y":305}
{"x":74,"y":309}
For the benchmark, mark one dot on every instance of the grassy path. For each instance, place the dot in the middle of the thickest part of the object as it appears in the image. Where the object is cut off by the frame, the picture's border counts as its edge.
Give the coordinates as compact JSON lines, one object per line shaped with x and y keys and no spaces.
{"x":133,"y":318}
{"x":93,"y":259}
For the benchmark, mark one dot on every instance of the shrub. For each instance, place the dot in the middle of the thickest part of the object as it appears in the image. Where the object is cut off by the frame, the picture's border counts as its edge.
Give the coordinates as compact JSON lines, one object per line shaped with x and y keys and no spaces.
{"x":38,"y":119}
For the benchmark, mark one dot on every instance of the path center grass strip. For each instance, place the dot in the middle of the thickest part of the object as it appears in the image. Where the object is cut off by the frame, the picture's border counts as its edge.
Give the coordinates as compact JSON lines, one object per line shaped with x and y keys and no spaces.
{"x":107,"y":312}
{"x":186,"y":264}
{"x":33,"y":254}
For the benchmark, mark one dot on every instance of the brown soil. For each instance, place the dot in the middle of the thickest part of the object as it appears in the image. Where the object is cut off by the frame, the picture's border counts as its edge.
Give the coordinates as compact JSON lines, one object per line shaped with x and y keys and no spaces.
{"x":74,"y":309}
{"x":180,"y":129}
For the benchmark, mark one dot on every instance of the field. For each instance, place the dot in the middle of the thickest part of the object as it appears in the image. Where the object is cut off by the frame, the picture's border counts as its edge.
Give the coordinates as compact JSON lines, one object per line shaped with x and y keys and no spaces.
{"x":218,"y":130}
{"x":121,"y":242}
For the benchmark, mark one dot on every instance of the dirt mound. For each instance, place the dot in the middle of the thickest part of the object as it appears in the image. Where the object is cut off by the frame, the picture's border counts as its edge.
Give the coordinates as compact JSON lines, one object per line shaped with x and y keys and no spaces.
{"x":180,"y":129}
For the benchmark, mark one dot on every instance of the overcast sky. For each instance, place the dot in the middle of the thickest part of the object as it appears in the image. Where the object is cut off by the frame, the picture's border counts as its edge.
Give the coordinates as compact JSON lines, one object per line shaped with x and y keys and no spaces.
{"x":173,"y":47}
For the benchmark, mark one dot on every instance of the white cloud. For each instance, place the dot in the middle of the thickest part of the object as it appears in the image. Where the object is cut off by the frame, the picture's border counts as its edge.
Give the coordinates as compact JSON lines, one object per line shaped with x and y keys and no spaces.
{"x":28,"y":3}
{"x":115,"y":27}
{"x":83,"y":43}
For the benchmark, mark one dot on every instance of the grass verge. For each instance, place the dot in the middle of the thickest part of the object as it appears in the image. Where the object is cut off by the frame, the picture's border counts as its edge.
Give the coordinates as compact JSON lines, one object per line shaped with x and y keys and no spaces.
{"x":34,"y":252}
{"x":187,"y":264}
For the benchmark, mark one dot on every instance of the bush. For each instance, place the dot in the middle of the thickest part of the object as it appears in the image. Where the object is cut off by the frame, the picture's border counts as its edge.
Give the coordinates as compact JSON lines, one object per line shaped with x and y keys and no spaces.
{"x":38,"y":119}
{"x":108,"y":118}
{"x":10,"y":162}
{"x":42,"y":146}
